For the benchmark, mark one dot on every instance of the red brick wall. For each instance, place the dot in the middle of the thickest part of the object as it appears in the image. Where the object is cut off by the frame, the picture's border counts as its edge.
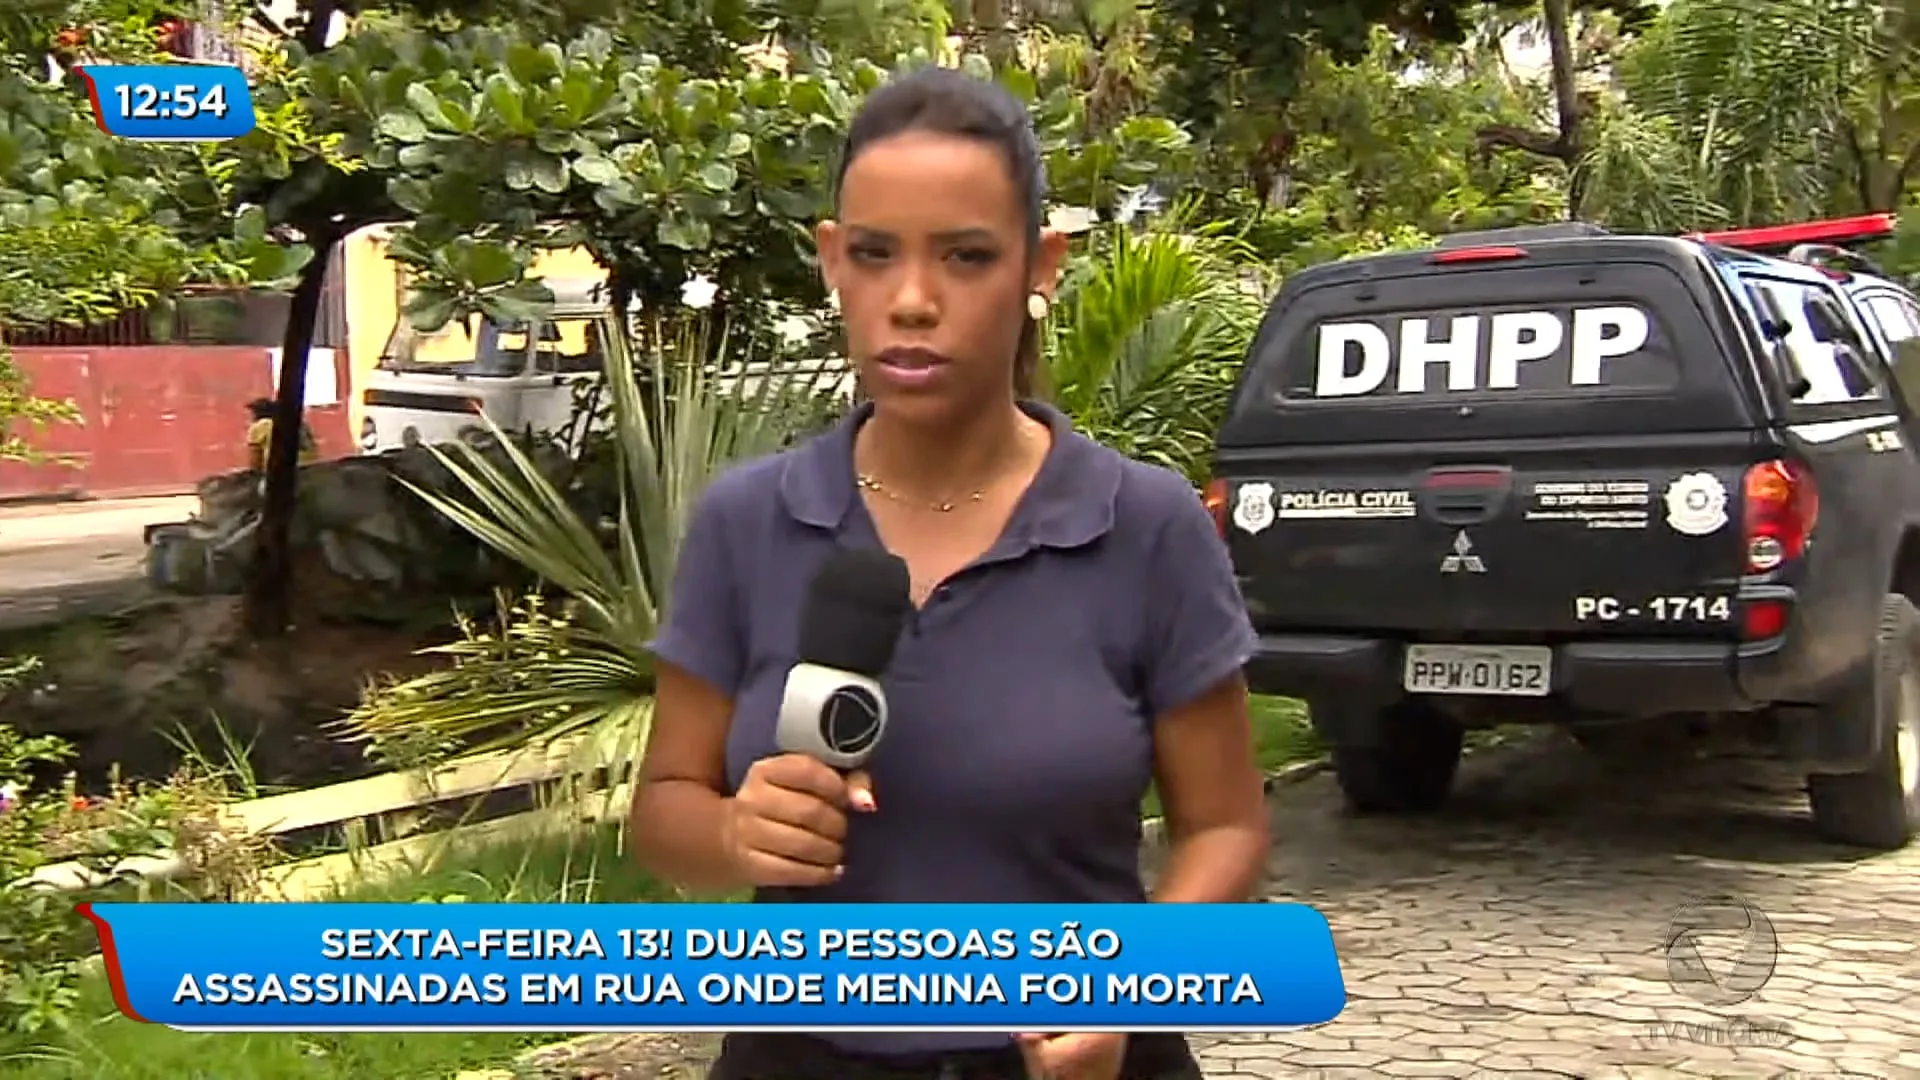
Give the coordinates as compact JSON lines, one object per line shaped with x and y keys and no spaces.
{"x":156,"y":419}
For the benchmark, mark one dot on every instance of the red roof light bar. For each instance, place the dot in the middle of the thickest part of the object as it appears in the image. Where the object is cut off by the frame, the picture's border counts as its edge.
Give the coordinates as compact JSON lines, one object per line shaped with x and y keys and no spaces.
{"x":1779,"y":239}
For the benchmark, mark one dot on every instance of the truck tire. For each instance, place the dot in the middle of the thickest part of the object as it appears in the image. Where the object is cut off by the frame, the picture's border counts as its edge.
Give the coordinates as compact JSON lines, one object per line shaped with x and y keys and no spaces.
{"x":1879,"y":807}
{"x":1408,"y":769}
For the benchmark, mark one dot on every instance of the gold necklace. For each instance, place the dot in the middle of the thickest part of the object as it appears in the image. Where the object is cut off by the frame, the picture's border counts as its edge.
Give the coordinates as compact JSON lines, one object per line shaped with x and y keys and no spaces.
{"x":869,"y":482}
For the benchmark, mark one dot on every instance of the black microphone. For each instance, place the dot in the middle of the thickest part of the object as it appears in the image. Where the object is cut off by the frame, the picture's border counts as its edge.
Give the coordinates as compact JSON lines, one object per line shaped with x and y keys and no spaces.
{"x":833,"y":708}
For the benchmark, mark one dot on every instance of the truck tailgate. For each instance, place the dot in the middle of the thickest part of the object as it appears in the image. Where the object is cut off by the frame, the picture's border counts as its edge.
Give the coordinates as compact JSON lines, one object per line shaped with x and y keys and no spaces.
{"x":1513,"y":547}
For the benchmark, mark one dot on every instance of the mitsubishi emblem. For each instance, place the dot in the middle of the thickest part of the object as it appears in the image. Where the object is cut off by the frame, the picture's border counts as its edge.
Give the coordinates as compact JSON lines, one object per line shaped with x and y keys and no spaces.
{"x":1463,"y":557}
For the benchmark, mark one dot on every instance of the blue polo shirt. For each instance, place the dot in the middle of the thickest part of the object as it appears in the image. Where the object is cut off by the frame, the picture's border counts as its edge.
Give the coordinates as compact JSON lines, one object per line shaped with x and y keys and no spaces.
{"x":1023,"y":693}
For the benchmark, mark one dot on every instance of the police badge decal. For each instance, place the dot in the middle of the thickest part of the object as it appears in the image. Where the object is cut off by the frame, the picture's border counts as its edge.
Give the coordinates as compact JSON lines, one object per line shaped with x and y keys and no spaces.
{"x":1253,"y":507}
{"x":1696,"y":504}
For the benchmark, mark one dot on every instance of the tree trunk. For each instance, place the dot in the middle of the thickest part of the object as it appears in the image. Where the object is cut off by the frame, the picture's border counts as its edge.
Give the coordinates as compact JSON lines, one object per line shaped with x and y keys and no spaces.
{"x":1566,"y":145}
{"x":990,"y":21}
{"x":270,"y":589}
{"x":269,"y":601}
{"x":1566,"y":100}
{"x":1894,"y":192}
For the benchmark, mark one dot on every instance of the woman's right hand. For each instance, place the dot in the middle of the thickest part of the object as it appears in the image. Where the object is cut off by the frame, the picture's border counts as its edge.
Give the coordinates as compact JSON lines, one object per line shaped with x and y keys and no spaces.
{"x":786,"y":824}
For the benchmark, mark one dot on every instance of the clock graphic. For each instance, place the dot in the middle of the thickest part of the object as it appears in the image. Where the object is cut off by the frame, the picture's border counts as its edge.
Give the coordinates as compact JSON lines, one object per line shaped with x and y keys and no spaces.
{"x":170,"y":102}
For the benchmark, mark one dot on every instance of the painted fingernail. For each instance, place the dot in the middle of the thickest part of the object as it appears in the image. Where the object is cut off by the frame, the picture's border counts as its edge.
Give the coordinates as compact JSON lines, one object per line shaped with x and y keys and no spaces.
{"x":862,"y":801}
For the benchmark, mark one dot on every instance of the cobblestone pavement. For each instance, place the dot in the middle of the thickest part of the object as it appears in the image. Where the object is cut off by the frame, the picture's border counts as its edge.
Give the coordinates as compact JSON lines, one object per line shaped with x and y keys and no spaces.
{"x":1522,"y":932}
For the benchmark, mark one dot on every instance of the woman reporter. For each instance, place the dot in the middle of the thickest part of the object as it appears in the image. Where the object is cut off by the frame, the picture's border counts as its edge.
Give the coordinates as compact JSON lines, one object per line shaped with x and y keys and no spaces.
{"x":1078,"y":633}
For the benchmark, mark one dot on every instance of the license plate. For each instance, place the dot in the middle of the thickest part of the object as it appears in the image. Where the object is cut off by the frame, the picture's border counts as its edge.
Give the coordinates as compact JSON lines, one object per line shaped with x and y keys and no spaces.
{"x":1505,"y":670}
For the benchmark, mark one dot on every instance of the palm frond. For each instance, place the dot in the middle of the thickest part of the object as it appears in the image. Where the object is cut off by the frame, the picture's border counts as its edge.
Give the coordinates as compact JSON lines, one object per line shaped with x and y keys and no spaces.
{"x":1147,"y":335}
{"x":1151,"y":304}
{"x":1642,"y":176}
{"x":1765,"y":95}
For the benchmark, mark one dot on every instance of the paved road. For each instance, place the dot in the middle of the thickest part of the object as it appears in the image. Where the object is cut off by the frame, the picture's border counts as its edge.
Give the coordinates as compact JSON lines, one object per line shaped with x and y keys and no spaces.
{"x":1522,"y":934}
{"x":62,"y":558}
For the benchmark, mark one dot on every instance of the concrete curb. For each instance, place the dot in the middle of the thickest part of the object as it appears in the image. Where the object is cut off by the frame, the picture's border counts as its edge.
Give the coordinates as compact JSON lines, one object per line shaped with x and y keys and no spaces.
{"x":1153,"y":830}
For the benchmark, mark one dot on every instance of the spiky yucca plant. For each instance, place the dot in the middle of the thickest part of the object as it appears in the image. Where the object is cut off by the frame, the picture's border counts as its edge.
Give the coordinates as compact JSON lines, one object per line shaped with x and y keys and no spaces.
{"x":549,"y":669}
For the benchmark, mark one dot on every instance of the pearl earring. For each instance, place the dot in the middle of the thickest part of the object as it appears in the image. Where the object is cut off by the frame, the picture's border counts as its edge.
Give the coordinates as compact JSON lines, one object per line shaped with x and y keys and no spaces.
{"x":1037,"y":307}
{"x":833,"y":299}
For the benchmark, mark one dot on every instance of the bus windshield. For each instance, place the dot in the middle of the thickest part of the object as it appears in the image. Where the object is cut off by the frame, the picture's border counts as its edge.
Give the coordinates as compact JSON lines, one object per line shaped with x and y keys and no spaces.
{"x":482,"y":347}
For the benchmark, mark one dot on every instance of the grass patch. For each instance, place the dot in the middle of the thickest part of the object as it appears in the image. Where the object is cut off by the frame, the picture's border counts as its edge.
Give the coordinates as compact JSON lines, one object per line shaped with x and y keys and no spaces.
{"x":579,"y":868}
{"x":1281,"y":736}
{"x":115,"y":1048}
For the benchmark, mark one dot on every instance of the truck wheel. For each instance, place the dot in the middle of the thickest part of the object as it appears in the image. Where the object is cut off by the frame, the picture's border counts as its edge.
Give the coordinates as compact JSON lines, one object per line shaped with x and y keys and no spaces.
{"x":1408,"y":769}
{"x":1880,"y":806}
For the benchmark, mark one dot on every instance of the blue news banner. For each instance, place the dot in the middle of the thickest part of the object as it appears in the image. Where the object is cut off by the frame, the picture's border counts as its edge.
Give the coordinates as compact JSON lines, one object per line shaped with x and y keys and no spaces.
{"x":583,"y":967}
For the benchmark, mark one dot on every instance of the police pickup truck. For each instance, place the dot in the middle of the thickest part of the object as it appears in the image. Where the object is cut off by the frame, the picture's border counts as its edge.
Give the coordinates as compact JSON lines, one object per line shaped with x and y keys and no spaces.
{"x":1609,"y":482}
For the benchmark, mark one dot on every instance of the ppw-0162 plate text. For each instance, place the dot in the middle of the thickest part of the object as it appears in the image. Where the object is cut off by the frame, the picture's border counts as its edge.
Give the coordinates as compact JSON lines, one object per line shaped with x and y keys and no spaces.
{"x":1502,"y":670}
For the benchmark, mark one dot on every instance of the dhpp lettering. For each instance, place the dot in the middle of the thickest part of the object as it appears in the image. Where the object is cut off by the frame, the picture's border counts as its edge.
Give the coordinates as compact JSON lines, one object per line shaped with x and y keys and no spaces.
{"x":1511,"y":339}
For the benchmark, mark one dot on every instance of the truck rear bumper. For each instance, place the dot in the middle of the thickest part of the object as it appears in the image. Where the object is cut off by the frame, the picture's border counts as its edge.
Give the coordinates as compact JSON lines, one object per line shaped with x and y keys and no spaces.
{"x":1620,"y":679}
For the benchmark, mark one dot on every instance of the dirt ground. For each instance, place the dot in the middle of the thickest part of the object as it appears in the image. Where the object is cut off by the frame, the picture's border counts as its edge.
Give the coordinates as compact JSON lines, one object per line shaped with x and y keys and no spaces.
{"x":128,"y":674}
{"x":126,"y":689}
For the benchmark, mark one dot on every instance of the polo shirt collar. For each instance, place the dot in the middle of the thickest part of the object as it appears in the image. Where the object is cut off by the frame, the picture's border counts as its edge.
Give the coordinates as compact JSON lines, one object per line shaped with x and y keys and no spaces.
{"x":1070,"y":503}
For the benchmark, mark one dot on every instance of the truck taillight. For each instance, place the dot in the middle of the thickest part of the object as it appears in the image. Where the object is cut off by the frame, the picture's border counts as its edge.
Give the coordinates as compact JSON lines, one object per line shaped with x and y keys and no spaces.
{"x":1781,"y":506}
{"x":1214,"y":495}
{"x":1763,"y":619}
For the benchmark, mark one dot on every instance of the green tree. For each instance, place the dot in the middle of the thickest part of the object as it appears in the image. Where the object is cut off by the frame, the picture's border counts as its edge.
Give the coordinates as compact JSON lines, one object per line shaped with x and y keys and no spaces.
{"x":1103,"y":50}
{"x":1234,"y":65}
{"x":352,"y":145}
{"x":1581,"y":36}
{"x":815,"y":32}
{"x":90,"y":225}
{"x":1237,"y":66}
{"x":1389,"y":141}
{"x":1754,"y":111}
{"x":1097,"y":148}
{"x":579,"y":664}
{"x":661,"y":173}
{"x":1149,"y":333}
{"x":318,"y":99}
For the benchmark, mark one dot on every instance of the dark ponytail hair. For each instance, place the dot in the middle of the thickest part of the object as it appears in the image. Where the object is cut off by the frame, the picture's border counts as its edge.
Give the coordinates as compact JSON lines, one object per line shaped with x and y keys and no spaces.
{"x":947,"y":102}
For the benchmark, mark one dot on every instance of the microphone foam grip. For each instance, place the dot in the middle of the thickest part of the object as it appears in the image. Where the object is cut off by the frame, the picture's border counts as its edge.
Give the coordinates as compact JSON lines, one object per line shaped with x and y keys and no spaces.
{"x":855,"y":608}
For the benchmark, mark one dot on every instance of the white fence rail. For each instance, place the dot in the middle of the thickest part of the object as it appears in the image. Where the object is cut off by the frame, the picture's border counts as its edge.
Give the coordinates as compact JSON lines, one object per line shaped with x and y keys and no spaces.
{"x":386,"y":821}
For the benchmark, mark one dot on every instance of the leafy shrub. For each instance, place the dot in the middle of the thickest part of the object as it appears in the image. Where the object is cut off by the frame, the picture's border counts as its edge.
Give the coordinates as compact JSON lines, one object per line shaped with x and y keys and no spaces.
{"x":1150,"y":332}
{"x":42,"y":940}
